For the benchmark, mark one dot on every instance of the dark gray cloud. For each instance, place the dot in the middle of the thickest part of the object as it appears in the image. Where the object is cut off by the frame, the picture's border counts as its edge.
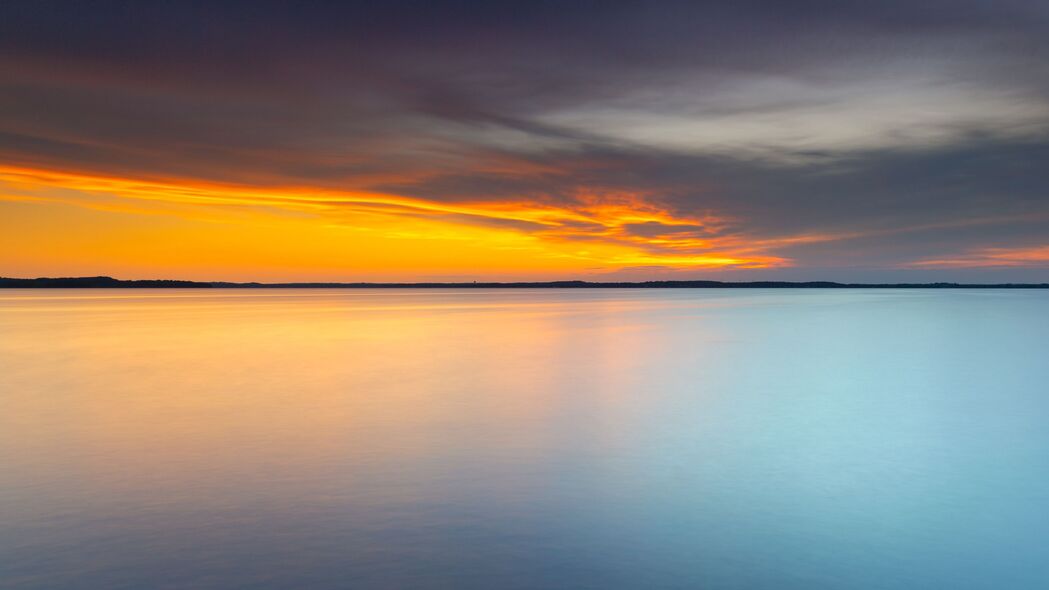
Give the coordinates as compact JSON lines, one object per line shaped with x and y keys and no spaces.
{"x":904,"y":130}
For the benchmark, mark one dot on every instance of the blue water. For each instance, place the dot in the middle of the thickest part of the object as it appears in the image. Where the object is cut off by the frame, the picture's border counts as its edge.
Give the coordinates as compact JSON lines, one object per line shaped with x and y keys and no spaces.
{"x":715,"y":439}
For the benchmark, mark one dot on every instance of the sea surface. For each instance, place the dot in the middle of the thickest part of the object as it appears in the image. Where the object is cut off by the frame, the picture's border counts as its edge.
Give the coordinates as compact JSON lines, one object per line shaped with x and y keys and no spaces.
{"x":499,"y":439}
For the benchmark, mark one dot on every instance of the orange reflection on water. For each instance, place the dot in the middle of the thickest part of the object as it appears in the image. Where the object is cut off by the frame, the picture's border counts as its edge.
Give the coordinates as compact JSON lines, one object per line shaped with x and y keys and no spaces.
{"x":197,"y":391}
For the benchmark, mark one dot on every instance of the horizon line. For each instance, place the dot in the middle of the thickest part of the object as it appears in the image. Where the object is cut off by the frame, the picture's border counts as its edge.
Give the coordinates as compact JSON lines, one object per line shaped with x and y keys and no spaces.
{"x":95,"y":282}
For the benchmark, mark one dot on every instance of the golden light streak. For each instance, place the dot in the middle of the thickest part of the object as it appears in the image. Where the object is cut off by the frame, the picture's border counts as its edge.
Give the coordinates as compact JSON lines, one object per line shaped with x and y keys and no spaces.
{"x":312,"y":233}
{"x":1033,"y":256}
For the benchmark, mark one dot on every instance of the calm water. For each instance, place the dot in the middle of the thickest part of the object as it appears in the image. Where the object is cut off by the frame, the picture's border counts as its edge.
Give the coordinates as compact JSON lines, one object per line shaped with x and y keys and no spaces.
{"x":524,"y":439}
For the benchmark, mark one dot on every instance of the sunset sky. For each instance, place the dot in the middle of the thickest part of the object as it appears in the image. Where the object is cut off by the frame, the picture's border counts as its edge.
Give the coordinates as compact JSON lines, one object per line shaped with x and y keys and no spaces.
{"x":603,"y":140}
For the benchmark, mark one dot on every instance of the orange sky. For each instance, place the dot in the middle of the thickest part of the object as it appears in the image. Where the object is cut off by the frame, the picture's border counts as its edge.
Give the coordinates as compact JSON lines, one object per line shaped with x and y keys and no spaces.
{"x":80,"y":224}
{"x":61,"y":223}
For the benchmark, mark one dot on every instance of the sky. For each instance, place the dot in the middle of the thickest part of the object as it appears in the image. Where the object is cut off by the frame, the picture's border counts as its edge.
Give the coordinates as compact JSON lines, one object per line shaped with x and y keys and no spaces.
{"x":600,"y":140}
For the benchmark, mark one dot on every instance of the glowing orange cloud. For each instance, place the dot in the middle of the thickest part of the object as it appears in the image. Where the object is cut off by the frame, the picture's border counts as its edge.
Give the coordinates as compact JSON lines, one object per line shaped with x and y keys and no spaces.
{"x":1034,"y":256}
{"x":401,"y":235}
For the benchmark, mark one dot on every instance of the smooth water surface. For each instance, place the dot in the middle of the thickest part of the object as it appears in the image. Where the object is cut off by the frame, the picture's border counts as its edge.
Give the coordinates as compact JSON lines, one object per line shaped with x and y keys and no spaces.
{"x":491,"y":439}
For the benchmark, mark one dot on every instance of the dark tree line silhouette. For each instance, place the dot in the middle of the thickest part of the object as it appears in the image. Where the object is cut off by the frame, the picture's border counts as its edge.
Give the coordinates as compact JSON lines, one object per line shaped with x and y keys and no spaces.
{"x":111,"y":283}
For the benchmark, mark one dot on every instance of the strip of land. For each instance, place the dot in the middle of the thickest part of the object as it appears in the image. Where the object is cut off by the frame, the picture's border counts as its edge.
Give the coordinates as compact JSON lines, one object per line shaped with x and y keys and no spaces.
{"x":111,"y":283}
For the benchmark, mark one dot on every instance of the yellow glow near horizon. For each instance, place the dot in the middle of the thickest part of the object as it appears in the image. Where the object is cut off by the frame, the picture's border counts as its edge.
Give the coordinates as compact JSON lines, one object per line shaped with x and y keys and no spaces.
{"x":65,"y":223}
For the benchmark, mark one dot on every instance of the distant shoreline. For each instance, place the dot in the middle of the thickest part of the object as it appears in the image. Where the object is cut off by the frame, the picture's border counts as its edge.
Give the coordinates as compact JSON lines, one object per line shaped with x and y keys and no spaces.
{"x":111,"y":283}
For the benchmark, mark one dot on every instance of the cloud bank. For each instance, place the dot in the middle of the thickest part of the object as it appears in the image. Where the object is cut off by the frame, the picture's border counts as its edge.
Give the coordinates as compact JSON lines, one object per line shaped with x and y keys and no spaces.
{"x":806,"y":137}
